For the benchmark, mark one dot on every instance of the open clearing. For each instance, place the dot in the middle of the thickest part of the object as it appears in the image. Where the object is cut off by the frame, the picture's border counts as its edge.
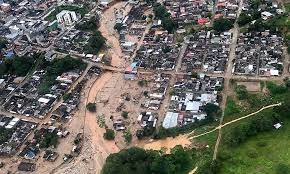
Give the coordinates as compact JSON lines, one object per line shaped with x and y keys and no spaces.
{"x":251,"y":86}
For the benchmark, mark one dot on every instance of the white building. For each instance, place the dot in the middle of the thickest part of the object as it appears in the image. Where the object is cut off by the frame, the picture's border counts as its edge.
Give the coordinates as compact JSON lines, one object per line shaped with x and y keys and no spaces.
{"x":66,"y":17}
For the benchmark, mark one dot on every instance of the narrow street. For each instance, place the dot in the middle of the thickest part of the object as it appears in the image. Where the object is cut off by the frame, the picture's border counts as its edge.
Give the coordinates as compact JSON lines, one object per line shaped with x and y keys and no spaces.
{"x":228,"y":76}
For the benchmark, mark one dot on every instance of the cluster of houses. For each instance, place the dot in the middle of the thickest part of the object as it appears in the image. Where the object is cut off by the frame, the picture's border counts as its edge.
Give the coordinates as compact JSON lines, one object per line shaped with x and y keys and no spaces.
{"x":8,"y":84}
{"x":64,"y":112}
{"x":259,"y":53}
{"x":32,"y":148}
{"x":207,"y":51}
{"x":268,"y":9}
{"x":157,"y":93}
{"x":227,"y":9}
{"x":15,"y":131}
{"x":158,"y":52}
{"x":189,"y":97}
{"x":188,"y":11}
{"x":28,"y":25}
{"x":123,"y":22}
{"x":133,"y":24}
{"x":73,"y":42}
{"x":28,"y":101}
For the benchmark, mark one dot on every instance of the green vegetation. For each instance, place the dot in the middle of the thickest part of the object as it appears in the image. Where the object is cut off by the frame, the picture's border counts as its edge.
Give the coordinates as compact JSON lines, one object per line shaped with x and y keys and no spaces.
{"x":145,"y":132}
{"x":80,"y":10}
{"x":137,"y":160}
{"x":143,"y":83}
{"x":5,"y":135}
{"x":231,"y":107}
{"x":162,"y":14}
{"x":250,"y":146}
{"x":125,"y":114}
{"x":242,"y":92}
{"x":3,"y":43}
{"x":127,"y":136}
{"x":90,"y":25}
{"x":287,"y":7}
{"x":56,"y":68}
{"x":95,"y":43}
{"x":46,"y":139}
{"x":18,"y":66}
{"x":222,"y":24}
{"x":261,"y":123}
{"x":265,"y":153}
{"x":276,"y":89}
{"x":101,"y":121}
{"x":66,"y":96}
{"x":91,"y":107}
{"x":109,"y":134}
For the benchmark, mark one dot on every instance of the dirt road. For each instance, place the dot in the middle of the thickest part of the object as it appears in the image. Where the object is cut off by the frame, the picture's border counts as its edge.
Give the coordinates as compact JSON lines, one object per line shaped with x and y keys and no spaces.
{"x":236,"y":120}
{"x":228,"y":75}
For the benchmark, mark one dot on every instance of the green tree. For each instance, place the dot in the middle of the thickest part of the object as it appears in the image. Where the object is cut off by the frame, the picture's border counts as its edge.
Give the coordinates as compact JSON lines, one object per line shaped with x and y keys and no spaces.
{"x":213,"y":111}
{"x":282,"y":169}
{"x":162,"y":14}
{"x":90,"y":25}
{"x":127,"y":136}
{"x":242,"y":92}
{"x":136,"y":160}
{"x":95,"y":43}
{"x":244,"y":19}
{"x":109,"y":134}
{"x":222,"y":24}
{"x":118,"y":27}
{"x":91,"y":107}
{"x":3,"y":43}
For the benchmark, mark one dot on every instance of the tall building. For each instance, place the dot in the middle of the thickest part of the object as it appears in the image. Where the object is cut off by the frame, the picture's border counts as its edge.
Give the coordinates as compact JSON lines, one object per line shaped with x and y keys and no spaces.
{"x":66,"y":17}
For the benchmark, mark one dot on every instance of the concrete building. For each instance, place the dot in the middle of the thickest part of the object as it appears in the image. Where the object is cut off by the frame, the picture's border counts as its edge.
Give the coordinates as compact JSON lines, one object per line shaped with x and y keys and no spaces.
{"x":66,"y":17}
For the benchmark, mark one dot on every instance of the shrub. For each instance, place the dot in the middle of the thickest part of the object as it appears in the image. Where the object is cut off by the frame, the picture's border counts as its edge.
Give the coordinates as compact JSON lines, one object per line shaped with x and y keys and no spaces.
{"x":91,"y":107}
{"x":127,"y":136}
{"x":125,"y":114}
{"x":109,"y":134}
{"x":282,"y":169}
{"x":142,"y":83}
{"x":276,"y":89}
{"x":242,"y":92}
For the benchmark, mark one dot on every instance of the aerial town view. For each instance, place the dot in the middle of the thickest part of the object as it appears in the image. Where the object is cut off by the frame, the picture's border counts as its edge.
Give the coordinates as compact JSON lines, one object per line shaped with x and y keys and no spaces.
{"x":144,"y":87}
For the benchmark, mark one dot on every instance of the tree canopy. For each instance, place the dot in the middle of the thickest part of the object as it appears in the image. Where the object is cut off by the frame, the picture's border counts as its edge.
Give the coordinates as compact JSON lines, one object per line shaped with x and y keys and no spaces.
{"x":162,"y":14}
{"x":18,"y":66}
{"x":136,"y":160}
{"x":56,"y":68}
{"x":90,"y":25}
{"x":95,"y":43}
{"x":222,"y":24}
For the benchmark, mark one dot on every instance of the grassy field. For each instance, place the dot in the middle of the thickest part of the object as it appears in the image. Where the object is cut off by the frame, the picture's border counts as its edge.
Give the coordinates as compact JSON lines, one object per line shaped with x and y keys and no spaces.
{"x":265,"y":152}
{"x":260,"y":154}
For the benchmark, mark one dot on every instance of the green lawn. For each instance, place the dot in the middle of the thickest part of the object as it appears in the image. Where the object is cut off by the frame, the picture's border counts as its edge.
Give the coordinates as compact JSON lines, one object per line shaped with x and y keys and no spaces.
{"x":260,"y":154}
